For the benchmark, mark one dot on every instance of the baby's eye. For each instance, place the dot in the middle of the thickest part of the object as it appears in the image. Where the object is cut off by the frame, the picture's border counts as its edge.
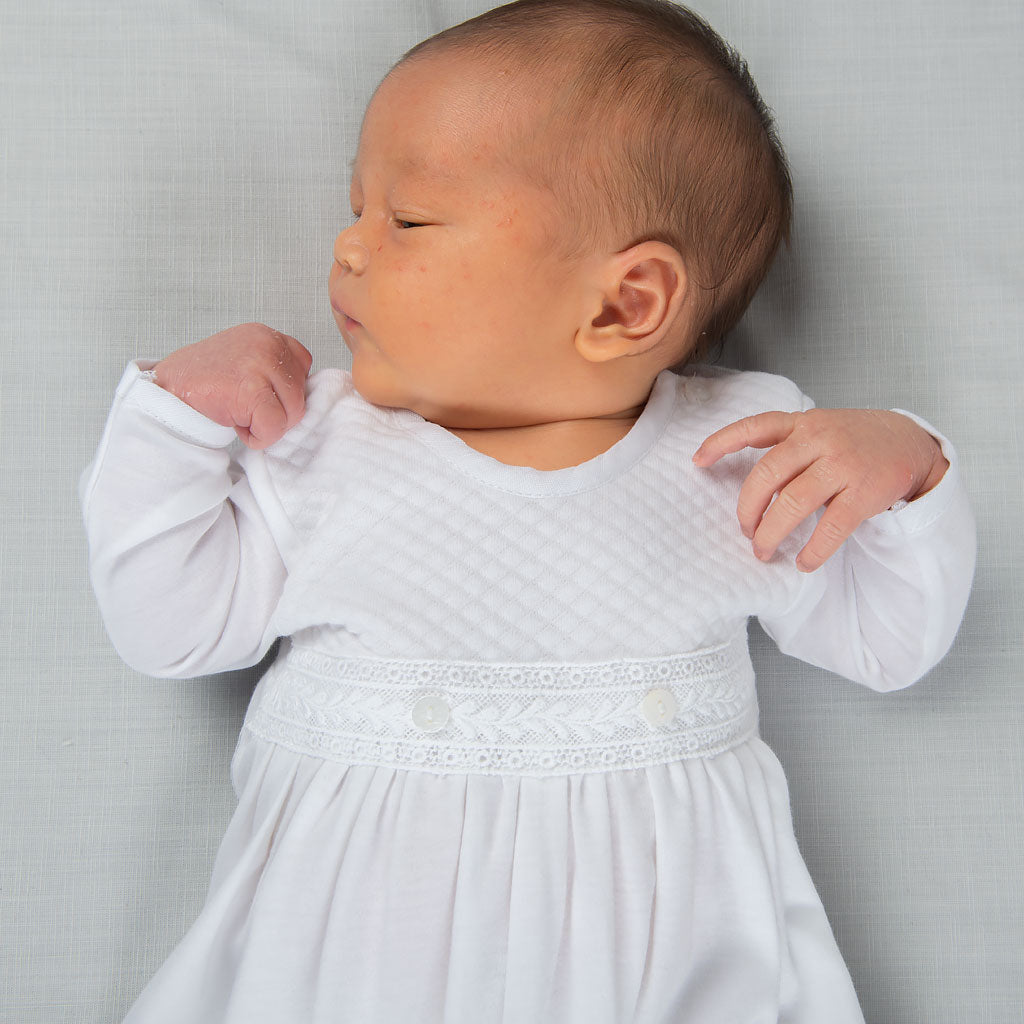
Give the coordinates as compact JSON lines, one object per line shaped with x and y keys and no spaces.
{"x":405,"y":224}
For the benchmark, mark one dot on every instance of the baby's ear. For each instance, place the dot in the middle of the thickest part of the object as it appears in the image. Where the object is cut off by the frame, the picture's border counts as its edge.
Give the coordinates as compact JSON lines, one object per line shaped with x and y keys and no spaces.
{"x":642,"y":292}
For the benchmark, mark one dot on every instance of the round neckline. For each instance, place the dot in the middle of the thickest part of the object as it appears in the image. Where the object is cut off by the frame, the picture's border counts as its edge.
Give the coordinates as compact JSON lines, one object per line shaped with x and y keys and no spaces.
{"x":526,"y":479}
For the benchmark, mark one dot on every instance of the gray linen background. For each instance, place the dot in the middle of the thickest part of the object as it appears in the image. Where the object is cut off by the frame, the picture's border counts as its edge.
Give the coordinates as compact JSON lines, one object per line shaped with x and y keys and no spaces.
{"x":171,"y":169}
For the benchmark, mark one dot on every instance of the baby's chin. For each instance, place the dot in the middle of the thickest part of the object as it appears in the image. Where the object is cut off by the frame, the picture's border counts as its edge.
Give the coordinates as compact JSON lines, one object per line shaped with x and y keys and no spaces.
{"x":378,"y":383}
{"x":373,"y":382}
{"x":368,"y":383}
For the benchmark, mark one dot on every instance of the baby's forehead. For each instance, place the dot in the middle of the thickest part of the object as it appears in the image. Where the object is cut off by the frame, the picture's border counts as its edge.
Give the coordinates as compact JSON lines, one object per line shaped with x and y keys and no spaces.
{"x":447,"y":116}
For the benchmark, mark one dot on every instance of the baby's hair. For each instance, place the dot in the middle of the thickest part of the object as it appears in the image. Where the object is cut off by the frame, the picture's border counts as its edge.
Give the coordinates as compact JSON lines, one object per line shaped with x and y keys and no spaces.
{"x":662,"y":135}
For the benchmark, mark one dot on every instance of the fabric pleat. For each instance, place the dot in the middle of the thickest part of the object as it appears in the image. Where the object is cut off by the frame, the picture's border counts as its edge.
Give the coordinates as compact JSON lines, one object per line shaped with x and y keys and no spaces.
{"x":665,"y":894}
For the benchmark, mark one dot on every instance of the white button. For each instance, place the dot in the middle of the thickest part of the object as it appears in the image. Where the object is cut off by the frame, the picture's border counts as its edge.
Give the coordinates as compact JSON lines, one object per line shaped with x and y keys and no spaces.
{"x":659,"y":707}
{"x":431,"y":713}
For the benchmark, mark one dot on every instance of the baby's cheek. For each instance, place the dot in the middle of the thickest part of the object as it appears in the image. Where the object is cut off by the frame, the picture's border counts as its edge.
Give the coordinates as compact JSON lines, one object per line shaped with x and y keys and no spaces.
{"x":426,"y":306}
{"x":459,"y":272}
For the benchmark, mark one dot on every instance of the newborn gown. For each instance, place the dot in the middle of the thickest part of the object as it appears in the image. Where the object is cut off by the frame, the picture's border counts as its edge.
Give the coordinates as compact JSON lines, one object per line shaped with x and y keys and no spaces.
{"x":506,"y":765}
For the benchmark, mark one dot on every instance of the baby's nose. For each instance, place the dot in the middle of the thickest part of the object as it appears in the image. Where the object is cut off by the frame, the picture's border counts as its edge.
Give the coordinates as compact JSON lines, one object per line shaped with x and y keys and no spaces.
{"x":350,"y":253}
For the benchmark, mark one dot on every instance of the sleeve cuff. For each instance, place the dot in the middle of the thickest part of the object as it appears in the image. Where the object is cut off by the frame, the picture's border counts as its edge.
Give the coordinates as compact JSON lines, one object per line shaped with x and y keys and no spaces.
{"x":138,"y":388}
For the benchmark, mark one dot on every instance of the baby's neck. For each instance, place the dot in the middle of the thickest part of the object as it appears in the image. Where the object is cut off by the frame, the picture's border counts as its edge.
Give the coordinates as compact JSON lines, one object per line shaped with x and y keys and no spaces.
{"x":548,"y":446}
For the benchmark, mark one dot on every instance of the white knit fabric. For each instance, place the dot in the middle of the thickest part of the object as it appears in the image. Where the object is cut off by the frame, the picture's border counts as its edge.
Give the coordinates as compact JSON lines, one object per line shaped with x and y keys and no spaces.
{"x":506,"y":767}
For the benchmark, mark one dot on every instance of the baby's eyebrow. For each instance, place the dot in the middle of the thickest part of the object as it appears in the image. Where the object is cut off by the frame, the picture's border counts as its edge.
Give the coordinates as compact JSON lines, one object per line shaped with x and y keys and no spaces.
{"x":415,"y":167}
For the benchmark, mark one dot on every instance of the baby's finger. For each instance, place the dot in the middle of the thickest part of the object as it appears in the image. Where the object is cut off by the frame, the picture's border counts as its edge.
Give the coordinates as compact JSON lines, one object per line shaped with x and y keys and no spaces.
{"x":288,"y":379}
{"x":302,"y":355}
{"x":290,"y":390}
{"x":796,"y":501}
{"x":841,"y":518}
{"x":770,"y":475}
{"x":759,"y":431}
{"x":268,"y":419}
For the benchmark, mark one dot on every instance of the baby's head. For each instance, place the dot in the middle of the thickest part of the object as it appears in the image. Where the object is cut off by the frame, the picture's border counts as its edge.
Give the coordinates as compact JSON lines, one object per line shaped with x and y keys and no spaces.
{"x":647,"y":125}
{"x":636,"y":190}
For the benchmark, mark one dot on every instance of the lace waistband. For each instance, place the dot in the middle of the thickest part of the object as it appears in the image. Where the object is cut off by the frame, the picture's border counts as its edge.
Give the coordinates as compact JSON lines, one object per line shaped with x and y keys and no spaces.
{"x":507,"y":718}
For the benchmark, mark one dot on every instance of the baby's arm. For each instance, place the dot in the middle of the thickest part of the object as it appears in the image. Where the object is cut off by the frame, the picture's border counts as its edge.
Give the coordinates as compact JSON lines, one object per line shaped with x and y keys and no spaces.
{"x":186,"y":561}
{"x":891,"y":587}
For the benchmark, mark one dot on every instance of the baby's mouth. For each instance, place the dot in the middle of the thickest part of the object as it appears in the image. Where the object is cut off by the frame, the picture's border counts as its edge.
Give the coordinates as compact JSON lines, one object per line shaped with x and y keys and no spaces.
{"x":349,"y":323}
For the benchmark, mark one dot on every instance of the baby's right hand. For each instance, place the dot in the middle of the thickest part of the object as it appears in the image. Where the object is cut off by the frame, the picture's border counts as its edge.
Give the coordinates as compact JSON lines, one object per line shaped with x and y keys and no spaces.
{"x":249,"y":377}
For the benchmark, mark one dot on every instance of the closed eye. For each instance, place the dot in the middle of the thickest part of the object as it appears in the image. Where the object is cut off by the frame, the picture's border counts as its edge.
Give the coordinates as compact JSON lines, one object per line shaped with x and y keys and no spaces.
{"x":401,"y":224}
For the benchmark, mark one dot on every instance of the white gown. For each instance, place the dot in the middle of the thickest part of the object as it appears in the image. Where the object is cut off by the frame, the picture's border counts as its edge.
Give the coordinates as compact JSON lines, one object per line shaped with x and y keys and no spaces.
{"x":506,"y":767}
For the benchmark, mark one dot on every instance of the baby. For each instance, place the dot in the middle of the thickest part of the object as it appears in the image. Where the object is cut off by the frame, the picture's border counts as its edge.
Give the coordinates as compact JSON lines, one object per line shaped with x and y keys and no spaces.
{"x":505,"y":765}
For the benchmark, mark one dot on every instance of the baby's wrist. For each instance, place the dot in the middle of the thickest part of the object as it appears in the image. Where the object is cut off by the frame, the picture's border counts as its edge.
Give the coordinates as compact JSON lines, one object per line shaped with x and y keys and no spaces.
{"x":154,"y":374}
{"x":163,"y":377}
{"x":938,"y":470}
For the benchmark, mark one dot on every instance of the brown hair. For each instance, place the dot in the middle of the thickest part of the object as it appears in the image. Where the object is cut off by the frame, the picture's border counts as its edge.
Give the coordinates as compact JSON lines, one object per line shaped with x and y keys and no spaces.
{"x":663,"y":136}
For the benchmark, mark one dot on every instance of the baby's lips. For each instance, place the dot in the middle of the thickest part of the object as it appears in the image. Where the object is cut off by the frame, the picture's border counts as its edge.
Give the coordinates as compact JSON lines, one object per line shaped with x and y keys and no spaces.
{"x":350,"y":321}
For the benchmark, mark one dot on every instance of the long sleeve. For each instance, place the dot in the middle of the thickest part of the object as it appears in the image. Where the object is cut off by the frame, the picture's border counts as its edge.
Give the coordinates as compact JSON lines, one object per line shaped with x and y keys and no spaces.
{"x":885,"y":609}
{"x":182,"y":557}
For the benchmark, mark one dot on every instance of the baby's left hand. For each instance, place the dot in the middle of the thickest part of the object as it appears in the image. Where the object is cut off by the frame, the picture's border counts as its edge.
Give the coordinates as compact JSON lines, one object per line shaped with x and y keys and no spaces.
{"x":857,"y":462}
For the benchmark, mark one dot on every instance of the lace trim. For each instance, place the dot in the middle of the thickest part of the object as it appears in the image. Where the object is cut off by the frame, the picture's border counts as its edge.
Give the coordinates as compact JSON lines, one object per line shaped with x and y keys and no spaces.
{"x":523,"y":718}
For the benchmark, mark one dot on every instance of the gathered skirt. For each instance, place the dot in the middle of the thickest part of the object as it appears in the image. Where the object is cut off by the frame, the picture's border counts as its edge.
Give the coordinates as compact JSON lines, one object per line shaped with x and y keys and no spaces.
{"x":668,"y":894}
